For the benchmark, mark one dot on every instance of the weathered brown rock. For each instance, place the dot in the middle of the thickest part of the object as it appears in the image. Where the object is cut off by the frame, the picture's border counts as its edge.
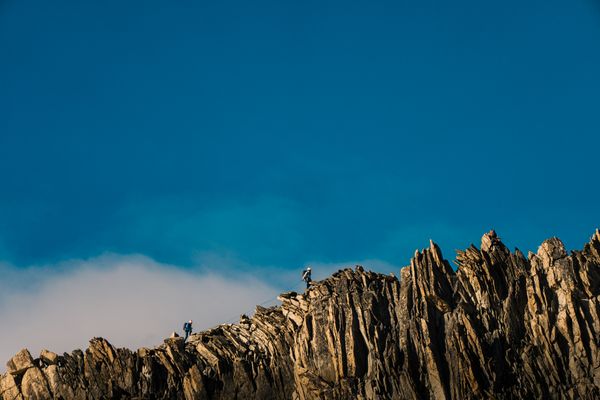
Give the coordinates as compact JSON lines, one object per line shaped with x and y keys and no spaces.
{"x":501,"y":326}
{"x":34,"y":385}
{"x":20,"y":362}
{"x":49,"y":357}
{"x":8,"y":388}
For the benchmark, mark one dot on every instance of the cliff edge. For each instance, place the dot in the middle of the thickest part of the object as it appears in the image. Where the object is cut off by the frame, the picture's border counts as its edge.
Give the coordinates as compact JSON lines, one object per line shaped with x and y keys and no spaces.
{"x":501,"y":326}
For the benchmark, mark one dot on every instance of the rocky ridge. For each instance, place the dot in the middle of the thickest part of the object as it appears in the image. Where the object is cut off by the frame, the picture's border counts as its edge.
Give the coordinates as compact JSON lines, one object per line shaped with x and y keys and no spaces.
{"x":501,"y":326}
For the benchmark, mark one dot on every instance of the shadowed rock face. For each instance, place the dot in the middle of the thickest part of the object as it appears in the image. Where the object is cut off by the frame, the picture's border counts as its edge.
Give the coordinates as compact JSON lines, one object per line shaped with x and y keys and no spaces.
{"x":501,"y":326}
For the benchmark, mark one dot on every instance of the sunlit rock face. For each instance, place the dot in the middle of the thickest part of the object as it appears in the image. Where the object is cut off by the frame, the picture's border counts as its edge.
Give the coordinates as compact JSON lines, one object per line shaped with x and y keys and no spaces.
{"x":502,"y":326}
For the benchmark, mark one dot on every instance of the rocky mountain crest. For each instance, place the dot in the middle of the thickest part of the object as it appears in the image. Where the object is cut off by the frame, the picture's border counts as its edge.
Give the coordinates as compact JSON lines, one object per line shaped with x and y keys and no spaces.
{"x":501,"y":326}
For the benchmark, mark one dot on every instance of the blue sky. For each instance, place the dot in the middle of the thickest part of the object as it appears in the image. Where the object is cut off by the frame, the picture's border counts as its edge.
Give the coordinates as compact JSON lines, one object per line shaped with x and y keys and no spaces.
{"x":279,"y":133}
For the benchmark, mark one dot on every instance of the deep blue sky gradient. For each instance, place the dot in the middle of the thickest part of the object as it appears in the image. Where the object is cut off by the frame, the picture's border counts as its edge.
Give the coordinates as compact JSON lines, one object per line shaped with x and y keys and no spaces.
{"x":279,"y":132}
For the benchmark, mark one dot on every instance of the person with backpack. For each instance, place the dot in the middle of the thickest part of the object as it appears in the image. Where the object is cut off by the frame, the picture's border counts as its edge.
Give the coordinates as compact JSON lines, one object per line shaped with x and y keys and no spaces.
{"x":306,"y":276}
{"x":187,"y":328}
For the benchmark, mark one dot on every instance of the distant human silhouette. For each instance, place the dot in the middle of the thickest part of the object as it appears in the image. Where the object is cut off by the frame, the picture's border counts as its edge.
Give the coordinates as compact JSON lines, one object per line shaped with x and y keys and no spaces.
{"x":306,"y":276}
{"x":187,"y":328}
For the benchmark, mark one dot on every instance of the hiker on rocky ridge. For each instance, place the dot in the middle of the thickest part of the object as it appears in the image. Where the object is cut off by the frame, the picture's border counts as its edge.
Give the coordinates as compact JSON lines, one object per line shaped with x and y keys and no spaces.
{"x":187,"y":328}
{"x":306,"y":276}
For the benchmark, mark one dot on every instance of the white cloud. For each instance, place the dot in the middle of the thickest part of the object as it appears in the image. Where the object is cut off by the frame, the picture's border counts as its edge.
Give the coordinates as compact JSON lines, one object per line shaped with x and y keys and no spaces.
{"x":130,"y":300}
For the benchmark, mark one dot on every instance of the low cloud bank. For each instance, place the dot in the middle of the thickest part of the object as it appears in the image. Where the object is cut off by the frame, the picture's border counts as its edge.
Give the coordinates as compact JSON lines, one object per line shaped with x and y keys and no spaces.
{"x":132,"y":301}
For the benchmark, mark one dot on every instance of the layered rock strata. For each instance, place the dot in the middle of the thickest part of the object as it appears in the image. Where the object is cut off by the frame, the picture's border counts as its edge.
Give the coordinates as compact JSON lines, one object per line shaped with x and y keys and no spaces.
{"x":501,"y":326}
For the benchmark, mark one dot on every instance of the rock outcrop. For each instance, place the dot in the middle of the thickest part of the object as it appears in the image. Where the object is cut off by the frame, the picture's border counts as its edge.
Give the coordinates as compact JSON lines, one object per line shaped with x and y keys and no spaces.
{"x":501,"y":326}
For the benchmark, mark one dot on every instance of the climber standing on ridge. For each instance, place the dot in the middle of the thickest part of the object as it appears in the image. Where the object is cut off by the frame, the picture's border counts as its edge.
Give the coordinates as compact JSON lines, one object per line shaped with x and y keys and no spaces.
{"x":306,"y":276}
{"x":187,"y":328}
